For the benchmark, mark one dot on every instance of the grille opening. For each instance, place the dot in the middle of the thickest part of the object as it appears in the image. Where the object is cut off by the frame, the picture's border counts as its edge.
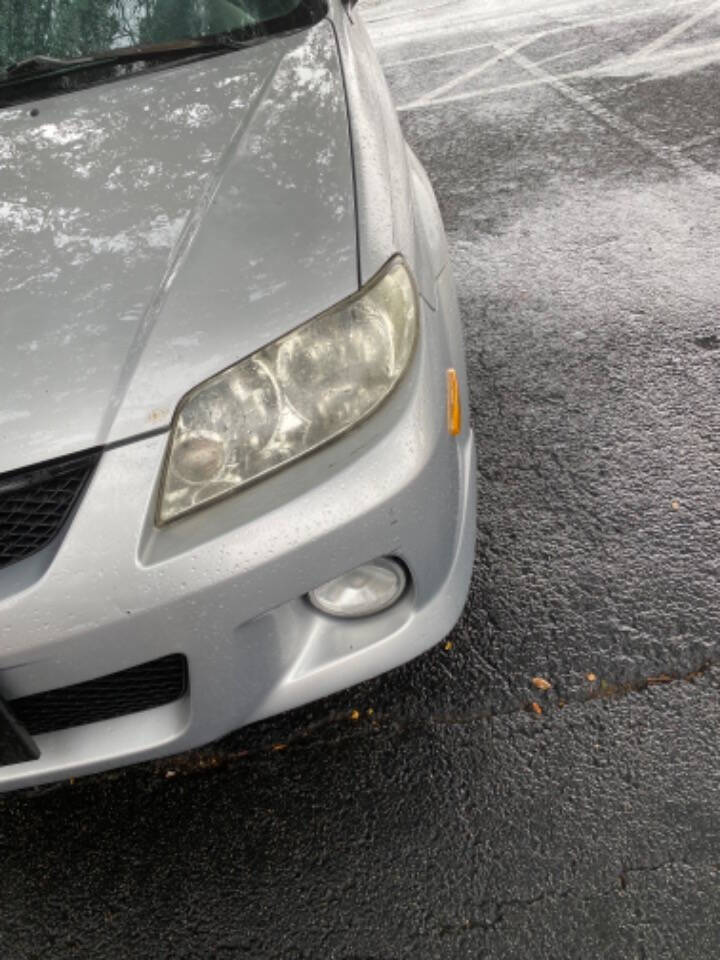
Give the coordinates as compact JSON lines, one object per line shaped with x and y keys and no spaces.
{"x":35,"y":503}
{"x":148,"y":685}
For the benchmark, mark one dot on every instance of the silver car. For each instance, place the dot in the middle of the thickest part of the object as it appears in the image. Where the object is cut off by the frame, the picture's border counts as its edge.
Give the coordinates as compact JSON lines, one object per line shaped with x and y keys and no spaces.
{"x":236,"y":467}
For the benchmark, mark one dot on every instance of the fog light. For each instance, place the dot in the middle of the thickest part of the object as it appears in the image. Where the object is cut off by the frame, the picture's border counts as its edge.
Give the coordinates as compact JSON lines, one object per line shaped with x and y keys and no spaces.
{"x":367,"y":589}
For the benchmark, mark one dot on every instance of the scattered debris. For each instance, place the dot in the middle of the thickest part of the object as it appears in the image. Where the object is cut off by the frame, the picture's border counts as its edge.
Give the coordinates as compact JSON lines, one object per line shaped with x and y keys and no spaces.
{"x":591,"y":677}
{"x":194,"y":762}
{"x":660,"y":678}
{"x":448,"y":645}
{"x":370,"y":711}
{"x":355,"y":715}
{"x":541,"y":683}
{"x":277,"y":747}
{"x":675,"y":504}
{"x":536,"y":708}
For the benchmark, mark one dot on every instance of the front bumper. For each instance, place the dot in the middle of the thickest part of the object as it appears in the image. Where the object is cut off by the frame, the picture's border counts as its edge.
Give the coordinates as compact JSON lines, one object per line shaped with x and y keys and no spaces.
{"x":226,"y":586}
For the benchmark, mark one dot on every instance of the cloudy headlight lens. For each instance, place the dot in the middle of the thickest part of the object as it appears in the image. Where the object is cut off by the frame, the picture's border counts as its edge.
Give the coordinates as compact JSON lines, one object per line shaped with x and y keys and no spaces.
{"x":292,"y":396}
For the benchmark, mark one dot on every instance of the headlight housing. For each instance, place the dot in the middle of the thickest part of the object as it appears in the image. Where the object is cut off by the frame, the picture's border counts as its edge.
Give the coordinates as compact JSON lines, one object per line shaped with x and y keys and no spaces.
{"x":292,"y":396}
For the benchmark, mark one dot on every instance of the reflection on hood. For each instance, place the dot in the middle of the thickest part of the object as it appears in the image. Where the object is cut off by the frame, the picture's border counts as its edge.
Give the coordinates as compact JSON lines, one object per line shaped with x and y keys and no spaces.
{"x":154,"y":230}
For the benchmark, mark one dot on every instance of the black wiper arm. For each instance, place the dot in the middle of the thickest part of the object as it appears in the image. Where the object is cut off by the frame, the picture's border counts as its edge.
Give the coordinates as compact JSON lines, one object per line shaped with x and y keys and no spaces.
{"x":33,"y":68}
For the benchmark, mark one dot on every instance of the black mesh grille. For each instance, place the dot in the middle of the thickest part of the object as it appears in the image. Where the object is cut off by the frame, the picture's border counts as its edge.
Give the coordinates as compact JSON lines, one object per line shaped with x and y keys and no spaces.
{"x":149,"y":685}
{"x":36,"y":502}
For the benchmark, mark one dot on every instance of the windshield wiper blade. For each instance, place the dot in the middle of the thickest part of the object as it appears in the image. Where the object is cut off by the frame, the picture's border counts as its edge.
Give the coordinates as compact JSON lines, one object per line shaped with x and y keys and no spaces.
{"x":34,"y":65}
{"x":35,"y":68}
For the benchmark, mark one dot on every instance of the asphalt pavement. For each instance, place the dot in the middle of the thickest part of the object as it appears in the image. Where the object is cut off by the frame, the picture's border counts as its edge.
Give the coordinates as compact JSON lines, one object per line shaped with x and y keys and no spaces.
{"x":455,"y":808}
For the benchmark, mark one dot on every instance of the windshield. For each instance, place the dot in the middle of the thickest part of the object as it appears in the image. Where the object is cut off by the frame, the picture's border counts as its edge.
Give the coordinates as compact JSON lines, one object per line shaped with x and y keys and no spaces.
{"x":67,"y":29}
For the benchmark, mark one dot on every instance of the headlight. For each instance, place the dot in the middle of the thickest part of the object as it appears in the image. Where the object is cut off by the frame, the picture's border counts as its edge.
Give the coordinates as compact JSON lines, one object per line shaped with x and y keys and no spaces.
{"x":291,"y":397}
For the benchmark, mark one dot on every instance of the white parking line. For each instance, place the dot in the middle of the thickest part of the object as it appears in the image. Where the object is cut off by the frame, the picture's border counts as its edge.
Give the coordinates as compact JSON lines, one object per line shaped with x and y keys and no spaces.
{"x":404,"y":12}
{"x":482,"y":68}
{"x":523,"y":42}
{"x":634,"y":14}
{"x":418,"y":26}
{"x":701,"y":141}
{"x":420,"y":22}
{"x":442,"y":54}
{"x":567,"y":53}
{"x":677,"y":31}
{"x":669,"y":155}
{"x":489,"y":91}
{"x":629,"y":68}
{"x":437,"y":56}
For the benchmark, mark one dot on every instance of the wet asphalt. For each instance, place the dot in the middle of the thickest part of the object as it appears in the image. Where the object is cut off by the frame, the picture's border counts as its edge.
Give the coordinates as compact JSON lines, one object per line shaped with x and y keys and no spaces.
{"x":452,"y":809}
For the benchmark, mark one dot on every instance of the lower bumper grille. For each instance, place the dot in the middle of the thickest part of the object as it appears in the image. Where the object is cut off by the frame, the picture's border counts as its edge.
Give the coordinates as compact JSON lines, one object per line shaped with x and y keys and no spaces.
{"x":148,"y":685}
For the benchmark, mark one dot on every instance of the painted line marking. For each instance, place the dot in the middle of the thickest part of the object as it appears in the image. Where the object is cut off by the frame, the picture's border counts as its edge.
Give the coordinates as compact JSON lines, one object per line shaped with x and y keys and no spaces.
{"x":443,"y":54}
{"x":521,"y":44}
{"x":669,"y":155}
{"x":502,"y":54}
{"x":598,"y":71}
{"x":464,"y":22}
{"x":566,"y":28}
{"x":437,"y":56}
{"x":677,"y":31}
{"x":568,"y":53}
{"x":701,"y":141}
{"x":404,"y":12}
{"x":491,"y":91}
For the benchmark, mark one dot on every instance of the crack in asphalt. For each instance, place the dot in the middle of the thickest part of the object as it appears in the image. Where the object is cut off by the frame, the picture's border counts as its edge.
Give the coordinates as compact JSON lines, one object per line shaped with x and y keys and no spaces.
{"x":345,"y":727}
{"x":620,"y":883}
{"x":341,"y":727}
{"x":445,"y":816}
{"x":602,"y":690}
{"x":651,"y":868}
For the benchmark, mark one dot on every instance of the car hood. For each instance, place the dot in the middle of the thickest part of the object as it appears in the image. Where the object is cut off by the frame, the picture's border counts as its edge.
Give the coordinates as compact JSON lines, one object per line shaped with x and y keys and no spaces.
{"x":157,"y":229}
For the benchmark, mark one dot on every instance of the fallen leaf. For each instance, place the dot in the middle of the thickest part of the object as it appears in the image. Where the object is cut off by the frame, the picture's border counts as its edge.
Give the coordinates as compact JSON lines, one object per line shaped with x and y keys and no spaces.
{"x":591,"y":678}
{"x":370,"y":711}
{"x":541,"y":683}
{"x":355,"y":715}
{"x":448,"y":645}
{"x":536,"y":708}
{"x":279,"y":746}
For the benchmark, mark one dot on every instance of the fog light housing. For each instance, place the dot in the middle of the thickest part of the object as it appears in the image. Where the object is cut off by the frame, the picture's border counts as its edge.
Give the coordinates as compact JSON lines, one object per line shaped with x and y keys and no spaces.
{"x":367,"y":589}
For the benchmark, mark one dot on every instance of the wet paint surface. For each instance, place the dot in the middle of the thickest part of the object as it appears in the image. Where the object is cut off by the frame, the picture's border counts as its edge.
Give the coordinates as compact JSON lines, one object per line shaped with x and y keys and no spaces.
{"x":435,"y":812}
{"x":160,"y":264}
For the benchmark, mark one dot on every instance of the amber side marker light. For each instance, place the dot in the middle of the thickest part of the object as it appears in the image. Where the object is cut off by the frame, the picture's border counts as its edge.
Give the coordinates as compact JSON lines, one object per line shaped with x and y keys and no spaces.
{"x":454,"y":409}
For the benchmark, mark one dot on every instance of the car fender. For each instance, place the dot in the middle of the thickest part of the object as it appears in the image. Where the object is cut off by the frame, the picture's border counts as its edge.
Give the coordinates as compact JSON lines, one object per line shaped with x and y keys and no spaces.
{"x":395,"y":203}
